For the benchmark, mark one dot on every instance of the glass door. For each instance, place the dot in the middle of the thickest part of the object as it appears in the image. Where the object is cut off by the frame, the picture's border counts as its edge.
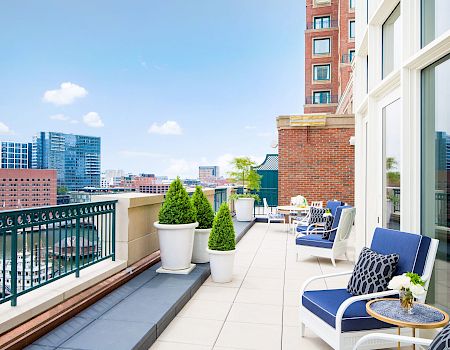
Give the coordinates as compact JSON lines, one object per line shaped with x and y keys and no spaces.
{"x":435,"y":164}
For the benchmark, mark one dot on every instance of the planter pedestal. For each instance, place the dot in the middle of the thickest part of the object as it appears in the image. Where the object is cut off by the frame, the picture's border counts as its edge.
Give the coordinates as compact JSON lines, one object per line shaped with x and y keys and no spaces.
{"x":177,"y":272}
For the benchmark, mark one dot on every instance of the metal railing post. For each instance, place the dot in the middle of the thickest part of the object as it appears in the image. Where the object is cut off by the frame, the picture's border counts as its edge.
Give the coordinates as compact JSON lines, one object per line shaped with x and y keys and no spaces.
{"x":13,"y":262}
{"x":77,"y":248}
{"x":113,"y":234}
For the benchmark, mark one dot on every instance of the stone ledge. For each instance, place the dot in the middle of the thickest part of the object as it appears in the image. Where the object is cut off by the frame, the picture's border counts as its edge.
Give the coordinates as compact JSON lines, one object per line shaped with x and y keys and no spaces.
{"x":333,"y":121}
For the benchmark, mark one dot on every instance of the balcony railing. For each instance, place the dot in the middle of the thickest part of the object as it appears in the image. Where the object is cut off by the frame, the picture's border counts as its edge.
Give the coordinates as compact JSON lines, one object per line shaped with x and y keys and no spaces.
{"x":321,"y":100}
{"x":41,"y":245}
{"x":327,"y":25}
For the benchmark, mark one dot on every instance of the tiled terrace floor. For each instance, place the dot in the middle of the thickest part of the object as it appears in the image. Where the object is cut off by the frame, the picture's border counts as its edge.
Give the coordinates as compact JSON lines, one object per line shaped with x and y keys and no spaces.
{"x":259,"y":308}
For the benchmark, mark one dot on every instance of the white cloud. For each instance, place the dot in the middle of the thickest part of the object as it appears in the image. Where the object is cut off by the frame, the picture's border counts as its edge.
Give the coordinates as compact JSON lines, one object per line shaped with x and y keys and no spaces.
{"x":93,"y":120}
{"x":65,"y":95}
{"x":4,"y":129}
{"x":181,"y":167}
{"x":136,"y":154}
{"x":170,"y":127}
{"x":249,"y":127}
{"x":60,"y":117}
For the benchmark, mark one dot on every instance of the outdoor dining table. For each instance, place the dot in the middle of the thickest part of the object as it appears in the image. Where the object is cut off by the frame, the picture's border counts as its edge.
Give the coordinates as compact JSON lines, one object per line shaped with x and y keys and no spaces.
{"x":288,"y":210}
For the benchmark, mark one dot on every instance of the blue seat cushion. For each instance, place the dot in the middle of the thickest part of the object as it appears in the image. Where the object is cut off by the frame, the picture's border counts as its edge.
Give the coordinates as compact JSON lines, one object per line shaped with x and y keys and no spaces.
{"x":412,"y":248}
{"x":314,"y":240}
{"x":332,"y":205}
{"x":325,"y":304}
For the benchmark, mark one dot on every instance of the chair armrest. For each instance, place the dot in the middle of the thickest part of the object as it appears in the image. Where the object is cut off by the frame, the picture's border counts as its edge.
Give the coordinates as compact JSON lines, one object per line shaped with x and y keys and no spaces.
{"x":392,"y":337}
{"x":320,"y":277}
{"x":351,"y":300}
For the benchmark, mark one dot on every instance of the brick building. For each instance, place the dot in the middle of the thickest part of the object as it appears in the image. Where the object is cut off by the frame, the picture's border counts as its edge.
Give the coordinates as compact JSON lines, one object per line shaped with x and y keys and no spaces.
{"x":26,"y":188}
{"x":316,"y":162}
{"x":329,"y":51}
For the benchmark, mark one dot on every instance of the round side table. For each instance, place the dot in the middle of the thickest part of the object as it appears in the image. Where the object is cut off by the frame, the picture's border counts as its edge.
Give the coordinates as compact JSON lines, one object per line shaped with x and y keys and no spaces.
{"x":423,"y":317}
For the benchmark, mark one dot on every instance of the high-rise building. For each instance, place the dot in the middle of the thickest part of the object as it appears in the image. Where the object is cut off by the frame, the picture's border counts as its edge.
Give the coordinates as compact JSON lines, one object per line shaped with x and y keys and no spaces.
{"x":75,"y":157}
{"x":16,"y":155}
{"x":27,"y":188}
{"x":329,"y":52}
{"x":208,"y":173}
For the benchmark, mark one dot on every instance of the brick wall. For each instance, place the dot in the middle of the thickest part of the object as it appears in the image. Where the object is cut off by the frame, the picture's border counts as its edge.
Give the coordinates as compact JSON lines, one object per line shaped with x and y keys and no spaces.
{"x":317,"y":163}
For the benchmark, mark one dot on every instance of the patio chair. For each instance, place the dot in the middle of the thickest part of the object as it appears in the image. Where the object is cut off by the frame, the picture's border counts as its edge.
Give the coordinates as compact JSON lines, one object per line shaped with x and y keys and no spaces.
{"x":441,"y":341}
{"x":340,"y":318}
{"x":317,"y":204}
{"x":272,"y":217}
{"x":303,"y":221}
{"x":311,"y":241}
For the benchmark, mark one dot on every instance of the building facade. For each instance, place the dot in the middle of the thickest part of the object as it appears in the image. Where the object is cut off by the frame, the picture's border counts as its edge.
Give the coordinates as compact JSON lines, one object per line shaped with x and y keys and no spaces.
{"x":402,"y":103}
{"x":27,"y":188}
{"x":76,"y":158}
{"x":208,"y":173}
{"x":16,"y":155}
{"x":329,"y":52}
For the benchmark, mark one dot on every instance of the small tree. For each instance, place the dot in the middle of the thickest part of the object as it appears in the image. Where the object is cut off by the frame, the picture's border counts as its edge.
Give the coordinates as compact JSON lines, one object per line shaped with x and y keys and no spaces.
{"x":222,"y":234}
{"x":244,"y":173}
{"x":62,"y":190}
{"x":177,"y":207}
{"x":203,"y":209}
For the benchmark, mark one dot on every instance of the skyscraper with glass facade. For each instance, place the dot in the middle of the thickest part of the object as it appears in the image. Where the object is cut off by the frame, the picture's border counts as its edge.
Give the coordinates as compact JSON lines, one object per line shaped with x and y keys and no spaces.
{"x":75,"y":157}
{"x":15,"y":155}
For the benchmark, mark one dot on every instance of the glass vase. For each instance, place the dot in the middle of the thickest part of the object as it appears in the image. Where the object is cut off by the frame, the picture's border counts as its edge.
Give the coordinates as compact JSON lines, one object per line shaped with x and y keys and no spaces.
{"x":406,"y":301}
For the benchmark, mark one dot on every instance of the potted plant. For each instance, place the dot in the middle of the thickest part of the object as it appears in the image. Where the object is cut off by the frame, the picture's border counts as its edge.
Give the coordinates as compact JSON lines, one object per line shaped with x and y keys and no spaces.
{"x":205,"y":218}
{"x":244,"y":173}
{"x":176,"y":225}
{"x":221,"y":246}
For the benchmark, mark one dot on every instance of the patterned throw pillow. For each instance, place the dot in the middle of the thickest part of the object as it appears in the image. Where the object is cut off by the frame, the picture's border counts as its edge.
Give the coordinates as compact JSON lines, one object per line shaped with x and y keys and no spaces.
{"x":328,"y":224}
{"x":372,"y":272}
{"x":442,"y":340}
{"x":316,"y":215}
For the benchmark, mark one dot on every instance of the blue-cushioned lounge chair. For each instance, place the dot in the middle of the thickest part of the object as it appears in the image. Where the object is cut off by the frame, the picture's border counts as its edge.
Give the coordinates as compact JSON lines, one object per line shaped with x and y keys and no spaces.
{"x":300,"y":224}
{"x":310,"y":242}
{"x":341,"y":319}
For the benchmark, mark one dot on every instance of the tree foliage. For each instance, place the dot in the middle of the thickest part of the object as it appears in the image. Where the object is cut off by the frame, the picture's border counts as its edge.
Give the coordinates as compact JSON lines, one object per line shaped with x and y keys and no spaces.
{"x":203,"y":209}
{"x":177,"y":207}
{"x":222,"y":235}
{"x":243,"y":173}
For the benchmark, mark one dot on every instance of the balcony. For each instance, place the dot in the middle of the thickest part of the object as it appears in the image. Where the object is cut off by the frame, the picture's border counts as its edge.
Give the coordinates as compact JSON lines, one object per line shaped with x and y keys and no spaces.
{"x":322,"y":26}
{"x":319,"y":100}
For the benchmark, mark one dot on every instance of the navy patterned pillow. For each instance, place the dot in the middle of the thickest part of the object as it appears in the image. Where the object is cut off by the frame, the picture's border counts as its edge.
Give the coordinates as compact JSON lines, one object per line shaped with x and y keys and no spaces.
{"x":328,"y":225}
{"x":442,"y":340}
{"x":372,"y":272}
{"x":316,"y":215}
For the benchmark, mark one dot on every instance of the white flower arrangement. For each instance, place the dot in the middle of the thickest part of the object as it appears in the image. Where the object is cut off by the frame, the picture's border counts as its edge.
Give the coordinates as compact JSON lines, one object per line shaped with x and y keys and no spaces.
{"x":408,"y":282}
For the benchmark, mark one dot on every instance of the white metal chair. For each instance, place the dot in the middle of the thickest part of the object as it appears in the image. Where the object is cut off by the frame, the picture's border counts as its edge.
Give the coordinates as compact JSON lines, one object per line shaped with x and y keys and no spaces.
{"x":312,"y":243}
{"x":364,"y":342}
{"x":317,"y":204}
{"x":340,"y":318}
{"x":272,"y":217}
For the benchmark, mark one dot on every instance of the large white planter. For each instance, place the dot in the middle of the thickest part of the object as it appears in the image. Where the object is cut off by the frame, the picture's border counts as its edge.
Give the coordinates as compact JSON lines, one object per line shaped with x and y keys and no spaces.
{"x":175,"y":245}
{"x":244,"y":209}
{"x":221,"y":263}
{"x":200,"y":254}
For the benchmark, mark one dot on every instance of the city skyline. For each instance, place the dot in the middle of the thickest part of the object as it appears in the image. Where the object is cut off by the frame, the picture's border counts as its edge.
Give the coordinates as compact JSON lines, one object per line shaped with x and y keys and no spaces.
{"x":170,"y":86}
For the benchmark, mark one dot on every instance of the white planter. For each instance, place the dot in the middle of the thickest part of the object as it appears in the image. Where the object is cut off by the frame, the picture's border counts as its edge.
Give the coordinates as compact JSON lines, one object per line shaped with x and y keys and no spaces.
{"x":175,"y":245}
{"x":244,"y":209}
{"x":200,"y":254}
{"x":221,"y":263}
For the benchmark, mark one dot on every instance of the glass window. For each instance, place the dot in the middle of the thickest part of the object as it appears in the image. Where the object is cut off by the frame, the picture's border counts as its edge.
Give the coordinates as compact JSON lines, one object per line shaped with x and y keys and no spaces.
{"x":391,"y":148}
{"x":322,"y":72}
{"x":434,"y":19}
{"x":321,"y":46}
{"x":352,"y":4}
{"x":352,"y":30}
{"x":435,"y":198}
{"x":351,"y":54}
{"x":391,"y":42}
{"x":322,"y":22}
{"x":320,"y":97}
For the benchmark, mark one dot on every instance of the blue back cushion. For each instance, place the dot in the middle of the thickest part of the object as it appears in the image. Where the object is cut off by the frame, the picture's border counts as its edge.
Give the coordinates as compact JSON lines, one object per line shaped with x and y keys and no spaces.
{"x":337,"y":217}
{"x":333,"y":205}
{"x":413,"y":249}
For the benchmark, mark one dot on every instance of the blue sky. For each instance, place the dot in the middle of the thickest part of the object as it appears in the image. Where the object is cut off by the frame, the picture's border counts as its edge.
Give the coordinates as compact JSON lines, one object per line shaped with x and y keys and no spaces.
{"x":167,"y":84}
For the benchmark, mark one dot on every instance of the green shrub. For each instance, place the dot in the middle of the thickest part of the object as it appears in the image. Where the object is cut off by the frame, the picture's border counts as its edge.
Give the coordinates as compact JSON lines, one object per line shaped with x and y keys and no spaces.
{"x":222,"y":233}
{"x":203,"y":209}
{"x":177,"y":207}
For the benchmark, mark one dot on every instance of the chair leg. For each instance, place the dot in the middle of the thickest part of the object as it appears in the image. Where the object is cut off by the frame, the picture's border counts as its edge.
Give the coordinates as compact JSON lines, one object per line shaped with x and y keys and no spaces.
{"x":333,"y":261}
{"x":302,"y":329}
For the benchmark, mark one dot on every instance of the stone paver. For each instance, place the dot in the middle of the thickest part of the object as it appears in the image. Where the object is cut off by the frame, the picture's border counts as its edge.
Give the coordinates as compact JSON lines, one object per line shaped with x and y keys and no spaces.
{"x":259,"y":308}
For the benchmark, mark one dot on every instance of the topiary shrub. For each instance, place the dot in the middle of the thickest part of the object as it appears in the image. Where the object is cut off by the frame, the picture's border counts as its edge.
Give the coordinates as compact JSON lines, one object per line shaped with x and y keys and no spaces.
{"x":177,"y":207}
{"x":203,"y":209}
{"x":222,"y":233}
